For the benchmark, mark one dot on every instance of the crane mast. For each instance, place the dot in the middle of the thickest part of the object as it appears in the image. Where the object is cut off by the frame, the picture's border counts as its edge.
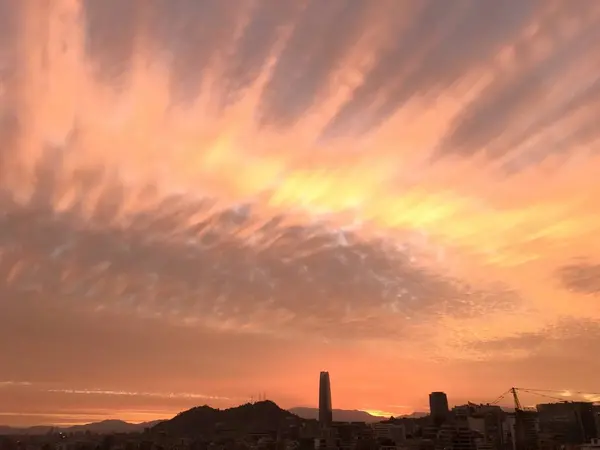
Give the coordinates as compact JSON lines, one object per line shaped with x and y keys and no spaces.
{"x":518,"y":406}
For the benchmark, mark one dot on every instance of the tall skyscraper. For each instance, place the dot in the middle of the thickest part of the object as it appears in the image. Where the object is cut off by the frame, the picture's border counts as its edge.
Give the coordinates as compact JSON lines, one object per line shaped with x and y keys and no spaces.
{"x":438,"y":407}
{"x":325,"y":411}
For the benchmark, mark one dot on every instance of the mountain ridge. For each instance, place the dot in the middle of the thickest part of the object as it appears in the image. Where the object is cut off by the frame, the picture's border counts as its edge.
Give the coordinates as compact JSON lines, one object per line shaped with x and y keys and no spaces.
{"x":339,"y":415}
{"x":350,"y":415}
{"x":107,"y":426}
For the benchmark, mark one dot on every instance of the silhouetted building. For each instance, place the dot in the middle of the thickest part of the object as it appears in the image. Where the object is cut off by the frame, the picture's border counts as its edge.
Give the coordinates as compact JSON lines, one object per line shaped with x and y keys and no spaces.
{"x":325,"y":409}
{"x":569,"y":422}
{"x":438,"y":407}
{"x":486,"y":420}
{"x":395,"y":432}
{"x":593,"y":445}
{"x":455,"y":437}
{"x":523,"y":427}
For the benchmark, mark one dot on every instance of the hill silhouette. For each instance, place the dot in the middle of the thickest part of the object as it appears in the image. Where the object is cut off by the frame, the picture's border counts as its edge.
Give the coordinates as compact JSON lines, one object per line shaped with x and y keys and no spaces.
{"x":261,"y":416}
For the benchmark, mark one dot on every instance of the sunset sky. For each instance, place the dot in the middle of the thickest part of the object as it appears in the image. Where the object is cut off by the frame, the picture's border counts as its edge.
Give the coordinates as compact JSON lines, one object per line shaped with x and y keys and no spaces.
{"x":201,"y":200}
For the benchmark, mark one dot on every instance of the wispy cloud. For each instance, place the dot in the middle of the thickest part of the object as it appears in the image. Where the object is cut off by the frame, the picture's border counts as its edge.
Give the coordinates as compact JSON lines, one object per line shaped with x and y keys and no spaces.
{"x":14,"y":383}
{"x":175,"y":395}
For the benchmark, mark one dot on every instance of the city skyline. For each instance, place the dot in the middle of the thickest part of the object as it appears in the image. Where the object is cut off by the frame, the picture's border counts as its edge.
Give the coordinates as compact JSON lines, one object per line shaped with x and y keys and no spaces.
{"x":264,"y":425}
{"x":200,"y":202}
{"x":325,"y":413}
{"x":439,"y":409}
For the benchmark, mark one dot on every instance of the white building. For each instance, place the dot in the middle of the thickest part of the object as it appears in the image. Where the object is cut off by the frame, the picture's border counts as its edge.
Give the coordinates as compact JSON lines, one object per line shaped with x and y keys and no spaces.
{"x":392,"y":431}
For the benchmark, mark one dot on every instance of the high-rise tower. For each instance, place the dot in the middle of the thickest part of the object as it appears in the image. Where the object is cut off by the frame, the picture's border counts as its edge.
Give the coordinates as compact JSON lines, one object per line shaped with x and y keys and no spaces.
{"x":325,"y":411}
{"x":438,"y":406}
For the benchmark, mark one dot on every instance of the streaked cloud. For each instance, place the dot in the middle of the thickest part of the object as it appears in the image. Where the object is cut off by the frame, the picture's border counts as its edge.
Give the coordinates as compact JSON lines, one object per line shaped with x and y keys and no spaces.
{"x":6,"y":384}
{"x":186,"y":395}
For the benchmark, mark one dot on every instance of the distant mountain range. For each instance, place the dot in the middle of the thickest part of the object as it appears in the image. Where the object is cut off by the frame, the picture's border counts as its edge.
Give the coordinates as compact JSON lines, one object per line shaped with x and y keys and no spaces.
{"x":339,"y":415}
{"x":103,"y":427}
{"x":259,"y":416}
{"x":349,"y":415}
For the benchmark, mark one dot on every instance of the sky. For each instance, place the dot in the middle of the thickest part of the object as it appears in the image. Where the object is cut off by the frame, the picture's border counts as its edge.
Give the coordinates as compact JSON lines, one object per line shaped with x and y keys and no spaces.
{"x":203,"y":200}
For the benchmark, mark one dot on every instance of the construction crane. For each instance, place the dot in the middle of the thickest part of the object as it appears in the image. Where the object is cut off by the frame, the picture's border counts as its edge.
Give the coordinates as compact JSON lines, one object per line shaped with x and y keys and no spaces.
{"x":515,"y":396}
{"x":513,"y":391}
{"x":524,"y":432}
{"x":518,"y":406}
